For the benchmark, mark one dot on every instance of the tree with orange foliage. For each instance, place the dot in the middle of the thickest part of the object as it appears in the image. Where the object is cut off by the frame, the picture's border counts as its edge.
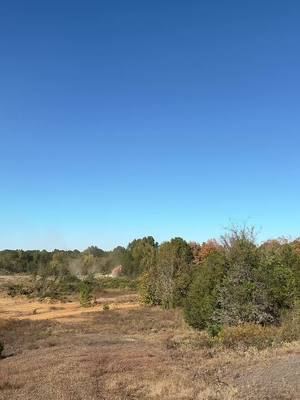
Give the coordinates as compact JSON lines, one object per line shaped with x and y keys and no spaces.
{"x":202,"y":251}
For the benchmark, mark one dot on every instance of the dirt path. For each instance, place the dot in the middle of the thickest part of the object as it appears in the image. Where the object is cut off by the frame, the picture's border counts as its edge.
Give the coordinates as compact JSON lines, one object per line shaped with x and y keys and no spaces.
{"x":20,"y":308}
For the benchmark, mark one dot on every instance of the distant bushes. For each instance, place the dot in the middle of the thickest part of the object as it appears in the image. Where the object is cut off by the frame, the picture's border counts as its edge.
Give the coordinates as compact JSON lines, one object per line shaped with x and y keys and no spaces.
{"x":218,"y":284}
{"x":85,"y":293}
{"x":54,"y":287}
{"x":121,"y":282}
{"x":59,"y":287}
{"x":19,"y":290}
{"x":42,"y":262}
{"x":139,"y":256}
{"x":89,"y":285}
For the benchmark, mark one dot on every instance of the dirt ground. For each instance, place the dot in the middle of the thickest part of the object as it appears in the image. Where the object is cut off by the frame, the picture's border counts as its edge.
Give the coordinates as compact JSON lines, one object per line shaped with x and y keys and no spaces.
{"x":62,"y":351}
{"x":17,"y":308}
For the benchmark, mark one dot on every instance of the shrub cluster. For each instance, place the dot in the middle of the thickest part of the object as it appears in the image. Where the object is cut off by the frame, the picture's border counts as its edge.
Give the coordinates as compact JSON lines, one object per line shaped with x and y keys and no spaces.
{"x":242,"y":283}
{"x":85,"y":293}
{"x":222,"y":284}
{"x":121,"y":282}
{"x":167,"y":277}
{"x":254,"y":335}
{"x":52,"y":286}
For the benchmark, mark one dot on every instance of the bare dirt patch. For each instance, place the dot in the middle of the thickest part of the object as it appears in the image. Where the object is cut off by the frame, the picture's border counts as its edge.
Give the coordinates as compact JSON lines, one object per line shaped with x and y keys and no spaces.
{"x":22,"y":308}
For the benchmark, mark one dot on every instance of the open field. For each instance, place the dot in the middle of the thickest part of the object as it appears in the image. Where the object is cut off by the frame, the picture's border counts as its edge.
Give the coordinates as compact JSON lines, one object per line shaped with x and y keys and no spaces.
{"x":62,"y":351}
{"x":17,"y":308}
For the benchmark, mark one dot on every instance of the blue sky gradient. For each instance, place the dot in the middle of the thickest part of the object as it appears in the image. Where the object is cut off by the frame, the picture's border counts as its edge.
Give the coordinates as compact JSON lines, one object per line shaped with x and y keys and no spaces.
{"x":124,"y":119}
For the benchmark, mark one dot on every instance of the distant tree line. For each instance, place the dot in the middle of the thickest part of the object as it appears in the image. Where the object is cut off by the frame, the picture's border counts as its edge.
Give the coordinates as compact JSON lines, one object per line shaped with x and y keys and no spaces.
{"x":59,"y":262}
{"x":227,"y":282}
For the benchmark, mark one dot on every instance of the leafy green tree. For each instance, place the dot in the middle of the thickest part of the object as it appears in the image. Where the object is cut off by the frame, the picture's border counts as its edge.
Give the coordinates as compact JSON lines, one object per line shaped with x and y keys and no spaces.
{"x":147,"y":288}
{"x":201,"y":301}
{"x":168,"y":277}
{"x":88,"y":263}
{"x":174,"y":267}
{"x":94,"y":251}
{"x":139,"y":256}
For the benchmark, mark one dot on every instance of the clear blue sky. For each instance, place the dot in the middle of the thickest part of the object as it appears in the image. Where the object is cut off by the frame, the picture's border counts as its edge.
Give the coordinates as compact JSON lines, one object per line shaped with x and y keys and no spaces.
{"x":120,"y":119}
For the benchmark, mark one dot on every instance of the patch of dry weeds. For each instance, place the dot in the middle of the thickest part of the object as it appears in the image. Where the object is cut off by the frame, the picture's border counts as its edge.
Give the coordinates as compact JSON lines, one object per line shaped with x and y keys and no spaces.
{"x":136,"y":353}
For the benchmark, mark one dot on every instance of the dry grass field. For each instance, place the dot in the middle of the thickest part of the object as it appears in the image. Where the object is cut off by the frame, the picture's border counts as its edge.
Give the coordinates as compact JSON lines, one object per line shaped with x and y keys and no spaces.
{"x":62,"y":351}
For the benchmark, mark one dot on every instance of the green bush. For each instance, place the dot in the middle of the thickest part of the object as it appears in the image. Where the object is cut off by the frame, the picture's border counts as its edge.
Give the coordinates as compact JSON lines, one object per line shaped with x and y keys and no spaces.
{"x":201,"y":300}
{"x":46,"y":286}
{"x":255,"y":293}
{"x":139,"y":255}
{"x":85,"y":294}
{"x":56,"y":288}
{"x":167,"y":276}
{"x":116,"y":283}
{"x":19,"y":290}
{"x":147,"y":289}
{"x":242,"y":284}
{"x":214,"y":329}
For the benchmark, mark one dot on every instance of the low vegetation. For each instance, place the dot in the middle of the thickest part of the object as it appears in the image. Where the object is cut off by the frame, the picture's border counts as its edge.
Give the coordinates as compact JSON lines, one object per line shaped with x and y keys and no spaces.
{"x":241,"y":283}
{"x":218,"y":284}
{"x":85,"y":293}
{"x":140,"y":353}
{"x":121,"y":282}
{"x":213,"y":299}
{"x":227,"y":284}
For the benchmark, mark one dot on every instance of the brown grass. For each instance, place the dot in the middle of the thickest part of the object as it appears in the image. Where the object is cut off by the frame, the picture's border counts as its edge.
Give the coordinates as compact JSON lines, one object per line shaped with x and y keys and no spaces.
{"x":21,"y":308}
{"x":131,"y":353}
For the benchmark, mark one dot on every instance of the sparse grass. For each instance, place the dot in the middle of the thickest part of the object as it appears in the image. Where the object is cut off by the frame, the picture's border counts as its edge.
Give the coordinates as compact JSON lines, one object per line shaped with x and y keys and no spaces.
{"x":248,"y":335}
{"x":142,"y":354}
{"x":290,"y":329}
{"x":251,"y":335}
{"x":21,"y":335}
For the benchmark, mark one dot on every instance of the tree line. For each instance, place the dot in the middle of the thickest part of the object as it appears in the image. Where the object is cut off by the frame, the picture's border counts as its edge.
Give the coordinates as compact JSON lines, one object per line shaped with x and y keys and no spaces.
{"x":225,"y":282}
{"x":42,"y":262}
